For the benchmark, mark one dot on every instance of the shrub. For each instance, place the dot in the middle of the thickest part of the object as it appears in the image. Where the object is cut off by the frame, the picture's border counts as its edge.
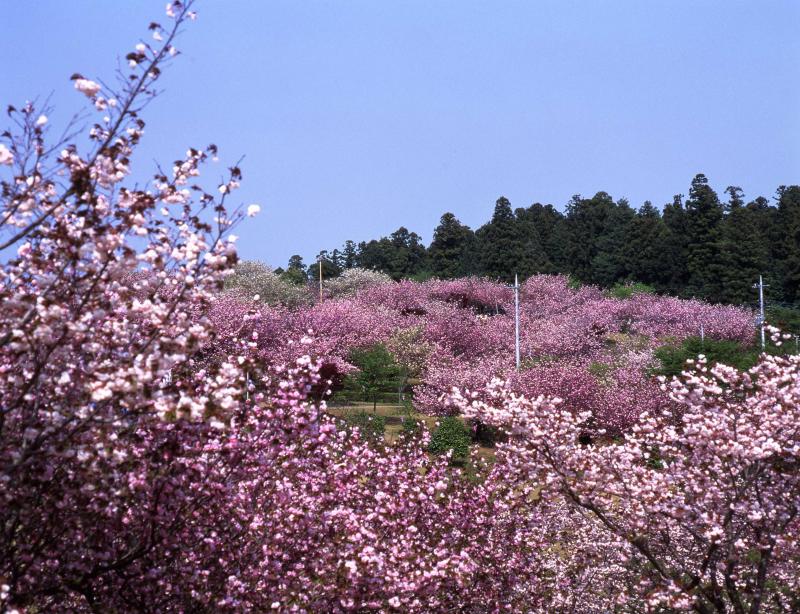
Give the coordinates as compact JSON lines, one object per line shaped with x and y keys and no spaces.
{"x":600,"y":370}
{"x":531,"y":362}
{"x":732,"y":353}
{"x":377,"y":372}
{"x":421,"y":276}
{"x":451,"y":434}
{"x":573,"y":283}
{"x":411,"y":427}
{"x":785,"y":318}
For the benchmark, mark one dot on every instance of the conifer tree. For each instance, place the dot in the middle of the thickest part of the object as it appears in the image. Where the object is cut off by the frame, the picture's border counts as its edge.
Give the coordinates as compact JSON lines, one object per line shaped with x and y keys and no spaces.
{"x":596,"y":234}
{"x":533,"y":257}
{"x":646,"y":246}
{"x":296,"y":271}
{"x":703,"y":224}
{"x":549,"y":224}
{"x":499,"y":244}
{"x":349,"y":255}
{"x":674,"y":273}
{"x":609,"y":265}
{"x":742,"y":251}
{"x":789,"y":221}
{"x":767,"y":220}
{"x":450,"y":251}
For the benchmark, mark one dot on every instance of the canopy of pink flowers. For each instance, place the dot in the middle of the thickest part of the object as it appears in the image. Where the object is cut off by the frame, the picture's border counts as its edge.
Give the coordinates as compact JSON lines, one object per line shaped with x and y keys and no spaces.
{"x":468,"y":327}
{"x":165,"y":445}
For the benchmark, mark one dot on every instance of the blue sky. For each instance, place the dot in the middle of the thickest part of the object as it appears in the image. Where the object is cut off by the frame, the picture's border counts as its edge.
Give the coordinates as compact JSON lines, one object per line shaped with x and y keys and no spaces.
{"x":357,"y":117}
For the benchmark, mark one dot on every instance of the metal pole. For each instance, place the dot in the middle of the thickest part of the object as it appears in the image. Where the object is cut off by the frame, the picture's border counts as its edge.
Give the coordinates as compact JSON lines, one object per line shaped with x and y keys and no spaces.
{"x":761,"y":309}
{"x":516,"y":319}
{"x":702,"y":338}
{"x":320,"y":280}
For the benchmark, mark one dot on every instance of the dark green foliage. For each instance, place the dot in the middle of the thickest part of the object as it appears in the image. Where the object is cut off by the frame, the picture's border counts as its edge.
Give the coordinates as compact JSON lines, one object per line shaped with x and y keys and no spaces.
{"x":422,"y":276}
{"x":787,"y":319}
{"x":295,"y":272}
{"x":411,"y":427}
{"x":624,"y":291}
{"x":450,"y":253}
{"x":698,"y":247}
{"x":573,"y":283}
{"x":789,"y":224}
{"x":673,"y":274}
{"x":349,"y":255}
{"x":647,"y":247}
{"x":500,"y":245}
{"x":451,"y":434}
{"x":329,"y":265}
{"x":371,"y":427}
{"x":533,"y":257}
{"x":378,"y":372}
{"x":597,"y":232}
{"x":485,"y":435}
{"x":400,"y":255}
{"x":743,"y":251}
{"x":673,"y":357}
{"x":610,"y":265}
{"x":703,"y":227}
{"x":548,"y":223}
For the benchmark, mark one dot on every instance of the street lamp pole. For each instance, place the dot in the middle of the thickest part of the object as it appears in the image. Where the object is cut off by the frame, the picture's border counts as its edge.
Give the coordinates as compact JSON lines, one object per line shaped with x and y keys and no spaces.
{"x":320,"y":279}
{"x":761,"y":317}
{"x":516,"y":320}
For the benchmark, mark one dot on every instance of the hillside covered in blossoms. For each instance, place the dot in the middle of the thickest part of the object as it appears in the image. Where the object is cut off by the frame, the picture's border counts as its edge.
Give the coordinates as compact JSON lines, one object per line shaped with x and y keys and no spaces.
{"x":182,"y":430}
{"x":593,"y":350}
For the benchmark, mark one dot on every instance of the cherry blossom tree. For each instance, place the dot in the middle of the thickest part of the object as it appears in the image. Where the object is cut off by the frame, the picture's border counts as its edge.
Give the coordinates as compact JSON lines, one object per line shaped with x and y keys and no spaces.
{"x":352,"y":281}
{"x":99,"y":462}
{"x":253,"y":280}
{"x":165,"y":443}
{"x":702,"y":501}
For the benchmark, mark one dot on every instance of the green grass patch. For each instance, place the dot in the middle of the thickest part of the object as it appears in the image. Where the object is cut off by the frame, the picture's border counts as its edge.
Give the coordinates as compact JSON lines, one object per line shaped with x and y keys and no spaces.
{"x":624,"y":291}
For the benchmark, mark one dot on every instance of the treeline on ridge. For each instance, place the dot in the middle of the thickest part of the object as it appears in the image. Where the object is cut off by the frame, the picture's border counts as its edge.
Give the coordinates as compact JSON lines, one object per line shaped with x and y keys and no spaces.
{"x":701,"y":246}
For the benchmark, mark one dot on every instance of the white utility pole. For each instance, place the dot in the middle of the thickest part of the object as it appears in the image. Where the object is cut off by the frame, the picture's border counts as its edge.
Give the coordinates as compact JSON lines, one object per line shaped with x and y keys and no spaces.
{"x":761,"y":318}
{"x":516,"y":319}
{"x":320,"y":280}
{"x":702,"y":338}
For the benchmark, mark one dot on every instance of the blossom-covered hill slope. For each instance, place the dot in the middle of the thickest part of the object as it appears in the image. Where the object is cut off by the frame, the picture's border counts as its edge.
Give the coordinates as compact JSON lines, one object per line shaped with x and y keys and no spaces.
{"x":579,"y":344}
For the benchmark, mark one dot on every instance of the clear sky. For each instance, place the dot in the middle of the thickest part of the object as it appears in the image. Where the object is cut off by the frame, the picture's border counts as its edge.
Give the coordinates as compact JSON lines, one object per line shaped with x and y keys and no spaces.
{"x":357,"y":117}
